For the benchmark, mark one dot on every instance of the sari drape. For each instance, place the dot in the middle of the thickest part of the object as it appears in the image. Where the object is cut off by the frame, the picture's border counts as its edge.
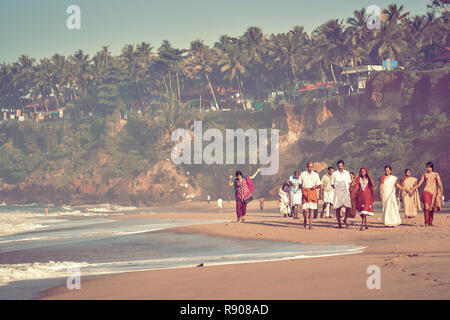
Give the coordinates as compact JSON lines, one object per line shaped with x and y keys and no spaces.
{"x":391,"y":215}
{"x":411,"y":203}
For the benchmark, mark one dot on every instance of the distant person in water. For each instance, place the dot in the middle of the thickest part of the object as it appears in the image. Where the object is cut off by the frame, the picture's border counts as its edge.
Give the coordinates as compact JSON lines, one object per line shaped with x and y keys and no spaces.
{"x":310,"y":183}
{"x":220,"y":204}
{"x":431,"y":194}
{"x":58,"y":212}
{"x":327,"y":194}
{"x":352,"y":190}
{"x":411,"y":200}
{"x":261,"y":204}
{"x":364,"y":195}
{"x":388,"y":183}
{"x":340,"y":181}
{"x":46,"y":211}
{"x":243,"y":189}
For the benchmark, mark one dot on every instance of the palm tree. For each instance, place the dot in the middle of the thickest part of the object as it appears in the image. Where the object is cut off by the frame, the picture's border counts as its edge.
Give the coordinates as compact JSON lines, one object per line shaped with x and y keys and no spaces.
{"x":144,"y":61}
{"x":44,"y":82}
{"x":81,"y":76}
{"x":23,"y":75}
{"x":356,"y":37}
{"x":330,"y":41}
{"x":388,"y":42}
{"x":60,"y":73}
{"x":287,"y":48}
{"x":200,"y":61}
{"x":253,"y":41}
{"x":394,"y":14}
{"x":231,"y":61}
{"x":170,"y":61}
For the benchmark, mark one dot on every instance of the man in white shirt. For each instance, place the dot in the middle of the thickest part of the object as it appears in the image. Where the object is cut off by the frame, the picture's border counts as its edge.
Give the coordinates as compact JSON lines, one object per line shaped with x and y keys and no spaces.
{"x":340,"y":181}
{"x":295,"y":193}
{"x":310,"y":182}
{"x":220,"y":204}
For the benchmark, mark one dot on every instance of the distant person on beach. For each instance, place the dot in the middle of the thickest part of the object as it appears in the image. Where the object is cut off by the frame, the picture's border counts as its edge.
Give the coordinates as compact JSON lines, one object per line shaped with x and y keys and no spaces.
{"x":340,"y":181}
{"x":411,"y":200}
{"x":46,"y":211}
{"x":58,"y":212}
{"x":209,"y":198}
{"x":310,"y":182}
{"x":220,"y":204}
{"x":388,"y":183}
{"x":365,"y":195}
{"x":431,"y":194}
{"x":327,"y":194}
{"x":284,"y":202}
{"x":352,"y":190}
{"x":295,"y":193}
{"x":243,"y":189}
{"x":261,"y":204}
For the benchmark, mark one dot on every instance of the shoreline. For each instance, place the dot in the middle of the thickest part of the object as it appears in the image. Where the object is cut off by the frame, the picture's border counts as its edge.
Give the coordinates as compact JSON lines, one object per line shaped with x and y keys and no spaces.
{"x":413,"y":260}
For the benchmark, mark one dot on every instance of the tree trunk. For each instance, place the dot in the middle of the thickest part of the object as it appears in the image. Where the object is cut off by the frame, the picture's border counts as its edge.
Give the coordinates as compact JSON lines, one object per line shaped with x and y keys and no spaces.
{"x":165,"y":84}
{"x":241,"y":89}
{"x":170,"y":84}
{"x":178,"y":88}
{"x":293,"y":73}
{"x":332,"y":72}
{"x":212,"y":91}
{"x":139,"y":93}
{"x":57,"y":102}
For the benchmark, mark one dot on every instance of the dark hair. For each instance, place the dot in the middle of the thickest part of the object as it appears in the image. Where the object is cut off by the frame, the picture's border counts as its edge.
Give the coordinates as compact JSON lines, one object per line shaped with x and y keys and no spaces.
{"x":239,"y":173}
{"x":430,"y":164}
{"x":406,"y":170}
{"x":340,"y":161}
{"x":387,"y":166}
{"x":296,"y":171}
{"x":307,"y":164}
{"x":351,"y":172}
{"x":285,"y":185}
{"x":329,"y":168}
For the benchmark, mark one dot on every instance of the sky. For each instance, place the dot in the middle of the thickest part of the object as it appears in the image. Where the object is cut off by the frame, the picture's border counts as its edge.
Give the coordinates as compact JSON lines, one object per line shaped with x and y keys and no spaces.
{"x":38,"y":27}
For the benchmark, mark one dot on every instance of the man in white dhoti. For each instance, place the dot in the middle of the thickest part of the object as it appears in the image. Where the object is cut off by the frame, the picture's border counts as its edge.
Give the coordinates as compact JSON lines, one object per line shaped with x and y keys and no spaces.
{"x":327,"y":194}
{"x":340,"y":181}
{"x":310,"y":182}
{"x":295,"y":193}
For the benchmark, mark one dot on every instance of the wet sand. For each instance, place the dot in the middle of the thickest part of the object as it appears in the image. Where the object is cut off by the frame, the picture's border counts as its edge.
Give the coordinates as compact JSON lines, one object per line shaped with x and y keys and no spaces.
{"x":414,"y":261}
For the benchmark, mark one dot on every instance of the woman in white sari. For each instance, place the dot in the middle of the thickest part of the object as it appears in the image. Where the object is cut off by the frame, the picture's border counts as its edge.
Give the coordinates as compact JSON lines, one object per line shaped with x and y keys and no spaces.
{"x":388,"y":183}
{"x":284,"y":200}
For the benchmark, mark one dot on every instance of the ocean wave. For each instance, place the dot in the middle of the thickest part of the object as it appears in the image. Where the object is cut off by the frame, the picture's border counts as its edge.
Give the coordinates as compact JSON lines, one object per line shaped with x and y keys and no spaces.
{"x":12,"y":223}
{"x":37,"y":270}
{"x":52,"y":269}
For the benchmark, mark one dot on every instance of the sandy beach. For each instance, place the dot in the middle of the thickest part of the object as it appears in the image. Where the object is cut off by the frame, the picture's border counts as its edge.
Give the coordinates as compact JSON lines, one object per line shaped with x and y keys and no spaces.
{"x":414,"y":261}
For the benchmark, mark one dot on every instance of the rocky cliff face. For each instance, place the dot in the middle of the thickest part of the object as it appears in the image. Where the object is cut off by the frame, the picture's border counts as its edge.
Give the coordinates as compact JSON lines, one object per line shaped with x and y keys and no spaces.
{"x":304,"y":130}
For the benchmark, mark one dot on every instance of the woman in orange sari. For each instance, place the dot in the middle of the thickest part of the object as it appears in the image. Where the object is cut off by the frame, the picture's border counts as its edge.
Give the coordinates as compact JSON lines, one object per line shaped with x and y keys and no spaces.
{"x":432,"y":193}
{"x":411,"y":200}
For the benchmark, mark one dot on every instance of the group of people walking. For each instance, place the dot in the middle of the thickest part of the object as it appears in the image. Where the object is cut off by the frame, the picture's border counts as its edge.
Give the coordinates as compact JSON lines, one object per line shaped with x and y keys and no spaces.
{"x":348,"y":193}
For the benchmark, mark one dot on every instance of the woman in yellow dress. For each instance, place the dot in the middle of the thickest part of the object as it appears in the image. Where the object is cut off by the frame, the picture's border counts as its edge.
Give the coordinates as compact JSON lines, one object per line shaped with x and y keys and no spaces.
{"x":411,"y":200}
